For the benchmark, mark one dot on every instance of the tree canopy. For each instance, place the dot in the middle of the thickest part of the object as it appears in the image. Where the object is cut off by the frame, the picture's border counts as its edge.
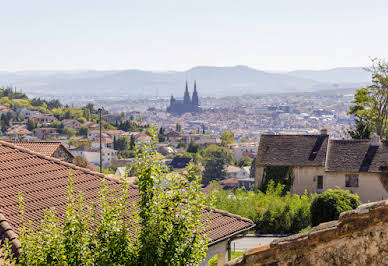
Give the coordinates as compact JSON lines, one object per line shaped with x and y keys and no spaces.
{"x":370,"y":104}
{"x":227,"y":137}
{"x":215,"y":159}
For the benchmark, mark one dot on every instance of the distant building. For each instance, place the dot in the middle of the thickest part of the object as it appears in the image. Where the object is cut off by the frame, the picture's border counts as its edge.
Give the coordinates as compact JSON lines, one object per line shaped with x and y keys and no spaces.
{"x":187,"y":105}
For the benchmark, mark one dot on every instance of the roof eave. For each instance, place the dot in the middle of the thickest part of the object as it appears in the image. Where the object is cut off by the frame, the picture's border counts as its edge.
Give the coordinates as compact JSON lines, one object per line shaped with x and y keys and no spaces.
{"x":230,"y":237}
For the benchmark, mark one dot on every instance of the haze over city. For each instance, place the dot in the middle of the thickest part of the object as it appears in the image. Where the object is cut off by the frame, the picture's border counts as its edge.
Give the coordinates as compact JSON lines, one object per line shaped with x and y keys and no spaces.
{"x":178,"y":35}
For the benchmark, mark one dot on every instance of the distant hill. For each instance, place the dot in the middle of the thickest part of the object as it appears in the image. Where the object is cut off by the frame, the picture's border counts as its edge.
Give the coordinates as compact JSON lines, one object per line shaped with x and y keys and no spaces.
{"x":211,"y":81}
{"x":335,"y":75}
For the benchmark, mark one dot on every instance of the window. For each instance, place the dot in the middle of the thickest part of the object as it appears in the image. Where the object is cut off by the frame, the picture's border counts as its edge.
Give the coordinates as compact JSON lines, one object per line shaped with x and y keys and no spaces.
{"x":319,"y":182}
{"x":351,"y":180}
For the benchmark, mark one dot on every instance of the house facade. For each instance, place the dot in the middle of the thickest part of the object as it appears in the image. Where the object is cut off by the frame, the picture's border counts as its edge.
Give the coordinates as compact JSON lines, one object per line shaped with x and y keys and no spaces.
{"x":318,"y":163}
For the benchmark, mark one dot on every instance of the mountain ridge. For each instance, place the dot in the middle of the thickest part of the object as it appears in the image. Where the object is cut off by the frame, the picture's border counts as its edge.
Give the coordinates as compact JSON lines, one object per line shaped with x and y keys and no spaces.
{"x":211,"y":81}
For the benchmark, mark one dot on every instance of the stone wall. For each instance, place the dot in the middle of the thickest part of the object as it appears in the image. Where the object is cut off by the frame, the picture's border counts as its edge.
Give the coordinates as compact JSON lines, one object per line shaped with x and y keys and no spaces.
{"x":62,"y":154}
{"x":359,"y":237}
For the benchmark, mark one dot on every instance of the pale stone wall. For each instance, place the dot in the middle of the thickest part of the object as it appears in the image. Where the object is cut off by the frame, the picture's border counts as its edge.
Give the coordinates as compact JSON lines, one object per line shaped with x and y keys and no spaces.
{"x":370,"y":187}
{"x":258,"y":176}
{"x":305,"y":178}
{"x":219,"y":248}
{"x":63,"y":155}
{"x":359,"y":237}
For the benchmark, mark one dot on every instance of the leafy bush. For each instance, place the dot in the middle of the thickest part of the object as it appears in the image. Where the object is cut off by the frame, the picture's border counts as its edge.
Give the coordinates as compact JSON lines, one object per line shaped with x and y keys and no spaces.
{"x":271,"y":211}
{"x":328,"y":205}
{"x":278,"y":174}
{"x":163,"y":228}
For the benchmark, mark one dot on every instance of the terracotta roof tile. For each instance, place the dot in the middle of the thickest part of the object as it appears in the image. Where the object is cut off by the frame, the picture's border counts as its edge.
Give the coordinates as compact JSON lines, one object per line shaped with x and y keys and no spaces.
{"x":47,"y":148}
{"x":43,"y":181}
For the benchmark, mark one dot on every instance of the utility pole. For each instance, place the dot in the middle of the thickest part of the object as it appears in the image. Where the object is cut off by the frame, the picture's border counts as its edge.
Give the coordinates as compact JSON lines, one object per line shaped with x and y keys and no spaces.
{"x":100,"y":113}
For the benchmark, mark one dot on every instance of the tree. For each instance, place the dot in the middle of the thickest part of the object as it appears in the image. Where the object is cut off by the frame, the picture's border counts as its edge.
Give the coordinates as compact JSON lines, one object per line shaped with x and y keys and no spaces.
{"x":215,"y":158}
{"x":371,"y":103}
{"x":244,"y":161}
{"x":227,"y":137}
{"x":82,"y":120}
{"x":243,"y":140}
{"x":68,"y":131}
{"x":122,"y":143}
{"x":170,"y":214}
{"x":31,"y":124}
{"x":329,"y":205}
{"x":83,"y":131}
{"x":161,"y":135}
{"x":362,"y":130}
{"x":193,"y":148}
{"x":132,"y":142}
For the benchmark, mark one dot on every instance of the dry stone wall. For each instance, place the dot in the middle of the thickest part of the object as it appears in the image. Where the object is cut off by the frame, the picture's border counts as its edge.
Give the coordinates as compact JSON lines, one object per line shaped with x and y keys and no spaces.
{"x":358,"y":237}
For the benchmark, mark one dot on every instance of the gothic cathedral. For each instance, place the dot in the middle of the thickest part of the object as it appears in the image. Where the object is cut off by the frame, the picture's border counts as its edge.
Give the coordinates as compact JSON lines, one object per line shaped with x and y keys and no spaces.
{"x":186,"y":105}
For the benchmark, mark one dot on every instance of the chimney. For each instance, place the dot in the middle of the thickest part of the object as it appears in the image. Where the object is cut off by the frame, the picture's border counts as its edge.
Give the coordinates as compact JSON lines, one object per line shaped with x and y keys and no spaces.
{"x":323,"y":131}
{"x":375,"y":141}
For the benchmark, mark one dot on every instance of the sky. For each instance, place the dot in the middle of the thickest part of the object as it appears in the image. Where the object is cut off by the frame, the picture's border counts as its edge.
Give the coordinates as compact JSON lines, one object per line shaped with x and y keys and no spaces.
{"x":165,"y":35}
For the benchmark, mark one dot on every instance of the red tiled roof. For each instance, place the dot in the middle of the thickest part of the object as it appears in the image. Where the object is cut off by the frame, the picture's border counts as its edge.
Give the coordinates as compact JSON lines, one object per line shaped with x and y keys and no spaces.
{"x":43,"y":181}
{"x":46,"y":148}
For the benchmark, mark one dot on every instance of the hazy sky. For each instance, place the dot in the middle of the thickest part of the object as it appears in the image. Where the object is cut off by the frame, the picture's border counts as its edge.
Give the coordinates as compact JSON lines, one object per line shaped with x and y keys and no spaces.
{"x":177,"y":35}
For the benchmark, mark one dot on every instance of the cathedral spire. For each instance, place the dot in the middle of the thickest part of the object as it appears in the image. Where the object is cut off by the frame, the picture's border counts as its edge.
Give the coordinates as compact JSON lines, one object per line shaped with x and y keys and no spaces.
{"x":186,"y":98}
{"x":195,"y":100}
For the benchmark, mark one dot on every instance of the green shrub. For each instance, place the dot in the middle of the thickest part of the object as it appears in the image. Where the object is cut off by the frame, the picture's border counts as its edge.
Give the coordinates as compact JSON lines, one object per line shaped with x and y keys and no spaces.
{"x":328,"y":205}
{"x":162,"y":228}
{"x":271,"y":211}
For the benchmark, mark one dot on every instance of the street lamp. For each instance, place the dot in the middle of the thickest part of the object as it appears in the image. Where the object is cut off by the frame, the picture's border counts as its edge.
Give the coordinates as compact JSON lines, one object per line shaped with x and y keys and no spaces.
{"x":100,"y":114}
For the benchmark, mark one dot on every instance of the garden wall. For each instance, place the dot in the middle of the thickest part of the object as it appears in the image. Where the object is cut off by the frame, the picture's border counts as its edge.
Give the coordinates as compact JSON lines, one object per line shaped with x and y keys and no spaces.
{"x":358,"y":237}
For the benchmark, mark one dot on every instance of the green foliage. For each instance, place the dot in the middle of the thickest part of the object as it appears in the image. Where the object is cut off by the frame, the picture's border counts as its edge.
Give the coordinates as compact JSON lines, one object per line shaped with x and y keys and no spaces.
{"x":193,"y":148}
{"x":227,"y":137}
{"x":163,"y":228}
{"x":278,"y":174}
{"x":214,"y":160}
{"x":182,"y":145}
{"x":132,"y":142}
{"x":6,"y":120}
{"x":170,"y":214}
{"x":11,"y":93}
{"x":82,"y":120}
{"x":69,"y":132}
{"x":234,"y":255}
{"x":162,"y":135}
{"x":362,"y":130}
{"x":328,"y":205}
{"x":128,"y":126}
{"x":83,"y":131}
{"x":370,"y":104}
{"x":271,"y":211}
{"x":244,"y":161}
{"x":122,"y":143}
{"x":56,"y":124}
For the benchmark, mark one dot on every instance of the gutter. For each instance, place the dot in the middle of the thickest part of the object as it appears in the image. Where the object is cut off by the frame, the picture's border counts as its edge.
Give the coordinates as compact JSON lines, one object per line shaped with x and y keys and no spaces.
{"x":230,"y":237}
